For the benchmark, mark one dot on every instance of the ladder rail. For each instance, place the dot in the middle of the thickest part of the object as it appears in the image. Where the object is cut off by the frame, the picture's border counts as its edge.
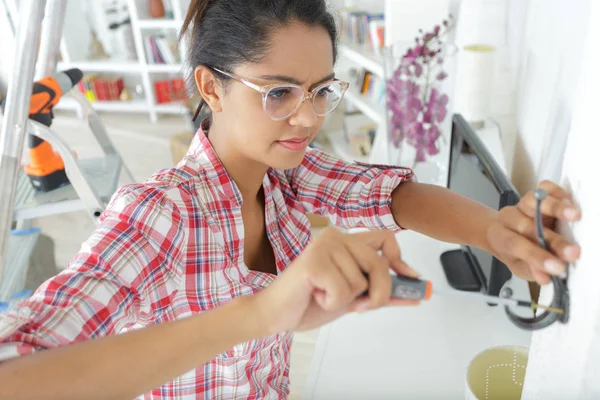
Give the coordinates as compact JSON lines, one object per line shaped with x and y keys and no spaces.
{"x":38,"y":31}
{"x":93,"y":120}
{"x":99,"y":130}
{"x":18,"y":97}
{"x":90,"y":198}
{"x":47,"y":62}
{"x":52,"y":31}
{"x":52,"y":28}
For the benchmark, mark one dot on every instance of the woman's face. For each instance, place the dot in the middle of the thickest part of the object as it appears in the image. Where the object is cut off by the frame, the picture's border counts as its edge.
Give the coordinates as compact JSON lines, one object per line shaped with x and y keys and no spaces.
{"x":299,"y":54}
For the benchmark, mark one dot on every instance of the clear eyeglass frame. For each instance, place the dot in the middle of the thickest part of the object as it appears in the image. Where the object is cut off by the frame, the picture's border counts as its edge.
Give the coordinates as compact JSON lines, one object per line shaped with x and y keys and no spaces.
{"x":311,"y":95}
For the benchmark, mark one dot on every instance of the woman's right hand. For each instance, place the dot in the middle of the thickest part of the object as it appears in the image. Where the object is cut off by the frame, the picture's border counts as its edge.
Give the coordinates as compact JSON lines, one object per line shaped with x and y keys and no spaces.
{"x":328,"y":278}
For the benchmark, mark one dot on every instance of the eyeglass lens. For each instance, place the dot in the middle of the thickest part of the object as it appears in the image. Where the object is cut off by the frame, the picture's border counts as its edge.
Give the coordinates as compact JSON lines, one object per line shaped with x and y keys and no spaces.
{"x":282,"y":101}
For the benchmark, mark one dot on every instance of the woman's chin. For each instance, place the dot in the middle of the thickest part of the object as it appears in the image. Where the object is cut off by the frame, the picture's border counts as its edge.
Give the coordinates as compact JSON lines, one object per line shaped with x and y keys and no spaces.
{"x":288,"y":161}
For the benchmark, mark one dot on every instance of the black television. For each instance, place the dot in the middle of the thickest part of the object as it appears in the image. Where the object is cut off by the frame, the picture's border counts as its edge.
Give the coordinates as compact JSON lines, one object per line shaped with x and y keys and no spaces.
{"x":474,"y":173}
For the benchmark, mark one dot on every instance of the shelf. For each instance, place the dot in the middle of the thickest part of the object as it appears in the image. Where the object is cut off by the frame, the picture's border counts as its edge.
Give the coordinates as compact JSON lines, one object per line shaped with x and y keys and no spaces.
{"x":123,"y":106}
{"x":342,"y":149}
{"x":369,"y":62}
{"x":20,"y":246}
{"x":176,"y":68}
{"x":367,"y":106}
{"x":102,"y":66}
{"x":102,"y":173}
{"x":176,"y":107}
{"x":159,"y":23}
{"x":74,"y":53}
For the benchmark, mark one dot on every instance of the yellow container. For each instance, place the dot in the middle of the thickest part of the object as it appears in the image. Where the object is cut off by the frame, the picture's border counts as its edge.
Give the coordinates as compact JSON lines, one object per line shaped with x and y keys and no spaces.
{"x":497,"y":373}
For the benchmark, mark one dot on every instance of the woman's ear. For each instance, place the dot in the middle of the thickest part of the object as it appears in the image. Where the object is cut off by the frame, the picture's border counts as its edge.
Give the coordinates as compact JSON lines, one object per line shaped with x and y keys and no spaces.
{"x":209,"y":88}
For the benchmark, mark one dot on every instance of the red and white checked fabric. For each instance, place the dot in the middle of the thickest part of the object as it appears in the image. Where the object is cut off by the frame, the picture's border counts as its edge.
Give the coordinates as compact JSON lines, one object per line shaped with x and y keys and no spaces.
{"x":174,"y":246}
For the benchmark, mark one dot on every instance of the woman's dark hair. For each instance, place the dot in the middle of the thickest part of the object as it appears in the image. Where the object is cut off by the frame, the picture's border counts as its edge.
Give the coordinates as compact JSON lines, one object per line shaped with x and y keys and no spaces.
{"x":228,"y":33}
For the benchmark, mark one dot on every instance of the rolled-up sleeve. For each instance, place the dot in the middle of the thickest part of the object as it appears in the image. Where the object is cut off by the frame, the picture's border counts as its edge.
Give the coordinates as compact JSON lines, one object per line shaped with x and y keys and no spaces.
{"x":125,"y":274}
{"x":351,"y":195}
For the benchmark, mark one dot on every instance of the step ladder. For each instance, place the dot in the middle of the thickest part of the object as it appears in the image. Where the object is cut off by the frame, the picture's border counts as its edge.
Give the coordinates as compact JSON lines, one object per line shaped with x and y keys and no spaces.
{"x":93,"y":181}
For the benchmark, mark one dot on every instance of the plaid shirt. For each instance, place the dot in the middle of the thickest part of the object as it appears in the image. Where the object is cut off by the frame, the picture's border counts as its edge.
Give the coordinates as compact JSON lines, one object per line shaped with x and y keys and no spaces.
{"x":174,"y":247}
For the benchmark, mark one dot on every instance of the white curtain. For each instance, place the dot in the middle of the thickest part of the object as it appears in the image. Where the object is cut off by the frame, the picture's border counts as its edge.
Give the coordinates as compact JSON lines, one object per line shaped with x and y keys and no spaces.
{"x":564,"y":359}
{"x":550,"y":63}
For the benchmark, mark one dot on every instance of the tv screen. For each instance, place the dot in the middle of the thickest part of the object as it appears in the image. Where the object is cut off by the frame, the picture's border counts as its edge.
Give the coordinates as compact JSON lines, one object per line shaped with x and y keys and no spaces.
{"x":474,"y":173}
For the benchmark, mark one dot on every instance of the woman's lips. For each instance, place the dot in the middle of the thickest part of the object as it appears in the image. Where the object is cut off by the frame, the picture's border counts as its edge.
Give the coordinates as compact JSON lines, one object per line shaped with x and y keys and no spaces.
{"x":294,"y":144}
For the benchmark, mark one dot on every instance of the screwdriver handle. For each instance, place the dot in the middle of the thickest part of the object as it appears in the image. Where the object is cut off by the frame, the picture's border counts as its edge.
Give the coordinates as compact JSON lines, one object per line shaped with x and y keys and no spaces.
{"x":404,"y":287}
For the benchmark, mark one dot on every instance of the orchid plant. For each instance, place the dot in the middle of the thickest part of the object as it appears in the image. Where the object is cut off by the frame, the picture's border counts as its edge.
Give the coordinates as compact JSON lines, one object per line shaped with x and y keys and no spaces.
{"x":416,"y":105}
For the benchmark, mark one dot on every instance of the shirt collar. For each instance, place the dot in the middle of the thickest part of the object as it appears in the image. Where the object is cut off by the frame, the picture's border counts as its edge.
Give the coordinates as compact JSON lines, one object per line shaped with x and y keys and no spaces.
{"x":203,"y":152}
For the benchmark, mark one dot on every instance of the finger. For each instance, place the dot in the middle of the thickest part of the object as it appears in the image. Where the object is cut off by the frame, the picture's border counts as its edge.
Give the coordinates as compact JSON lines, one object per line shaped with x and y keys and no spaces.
{"x":554,"y":190}
{"x":540,"y":277}
{"x":332,"y":289}
{"x":387,"y":243}
{"x":558,"y":245}
{"x":521,"y":269}
{"x":401,"y":268}
{"x":555,"y":207}
{"x":523,"y":249}
{"x":350,"y":269}
{"x":377,"y":267}
{"x":383,"y":240}
{"x":563,"y":248}
{"x":362,"y":305}
{"x":403,"y":302}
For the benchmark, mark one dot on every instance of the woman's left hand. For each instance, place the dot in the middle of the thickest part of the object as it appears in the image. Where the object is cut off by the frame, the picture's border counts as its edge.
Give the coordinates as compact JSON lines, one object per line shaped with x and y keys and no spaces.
{"x":512,"y":236}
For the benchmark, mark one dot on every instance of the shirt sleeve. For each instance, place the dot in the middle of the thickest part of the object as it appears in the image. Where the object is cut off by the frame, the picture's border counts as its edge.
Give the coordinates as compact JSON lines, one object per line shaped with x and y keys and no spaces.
{"x":351,"y":195}
{"x":124,"y":274}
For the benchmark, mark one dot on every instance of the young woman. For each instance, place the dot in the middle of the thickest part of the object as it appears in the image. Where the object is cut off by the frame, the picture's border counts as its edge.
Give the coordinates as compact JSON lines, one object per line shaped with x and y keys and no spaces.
{"x":181,"y":260}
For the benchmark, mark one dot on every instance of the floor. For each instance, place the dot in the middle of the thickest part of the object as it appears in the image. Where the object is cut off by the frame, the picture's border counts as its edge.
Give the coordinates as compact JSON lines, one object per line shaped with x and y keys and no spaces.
{"x":145,"y":148}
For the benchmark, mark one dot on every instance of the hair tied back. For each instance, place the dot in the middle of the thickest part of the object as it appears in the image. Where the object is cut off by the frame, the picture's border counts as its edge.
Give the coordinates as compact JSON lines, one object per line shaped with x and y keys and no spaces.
{"x":194,"y":17}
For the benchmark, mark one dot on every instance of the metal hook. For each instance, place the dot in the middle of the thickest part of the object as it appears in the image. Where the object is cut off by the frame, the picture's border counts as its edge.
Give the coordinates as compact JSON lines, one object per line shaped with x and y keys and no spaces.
{"x":561,"y":291}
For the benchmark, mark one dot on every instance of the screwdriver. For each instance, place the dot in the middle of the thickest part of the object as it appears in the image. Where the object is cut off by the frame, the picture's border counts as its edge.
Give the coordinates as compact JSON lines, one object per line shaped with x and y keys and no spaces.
{"x":404,"y":287}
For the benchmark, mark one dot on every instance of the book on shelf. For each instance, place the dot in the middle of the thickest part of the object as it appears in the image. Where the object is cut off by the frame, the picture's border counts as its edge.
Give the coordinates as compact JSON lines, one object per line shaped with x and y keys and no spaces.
{"x":99,"y":88}
{"x":368,"y":85}
{"x":362,"y":30}
{"x":359,"y":133}
{"x":169,"y":90}
{"x":160,"y":50}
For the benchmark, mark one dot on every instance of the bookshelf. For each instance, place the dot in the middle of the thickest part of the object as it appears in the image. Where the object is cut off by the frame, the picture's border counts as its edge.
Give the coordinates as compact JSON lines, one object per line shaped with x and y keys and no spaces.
{"x":137,"y":67}
{"x":401,"y":21}
{"x":340,"y":147}
{"x":102,"y":66}
{"x":373,"y":63}
{"x":367,"y":106}
{"x":135,"y":106}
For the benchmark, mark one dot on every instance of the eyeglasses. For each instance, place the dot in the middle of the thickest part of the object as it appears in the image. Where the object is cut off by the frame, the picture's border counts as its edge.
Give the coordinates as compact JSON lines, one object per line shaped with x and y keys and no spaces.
{"x":282,"y":100}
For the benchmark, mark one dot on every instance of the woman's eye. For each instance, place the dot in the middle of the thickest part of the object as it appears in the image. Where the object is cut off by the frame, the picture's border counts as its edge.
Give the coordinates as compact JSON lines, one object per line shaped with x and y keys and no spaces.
{"x":324,"y":91}
{"x":278,"y":93}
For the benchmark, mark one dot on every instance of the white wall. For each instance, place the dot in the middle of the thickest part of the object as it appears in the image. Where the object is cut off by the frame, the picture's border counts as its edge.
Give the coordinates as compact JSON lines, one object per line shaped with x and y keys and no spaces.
{"x":497,"y":23}
{"x":565,"y":359}
{"x":549,"y":59}
{"x":539,"y":50}
{"x":404,"y":18}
